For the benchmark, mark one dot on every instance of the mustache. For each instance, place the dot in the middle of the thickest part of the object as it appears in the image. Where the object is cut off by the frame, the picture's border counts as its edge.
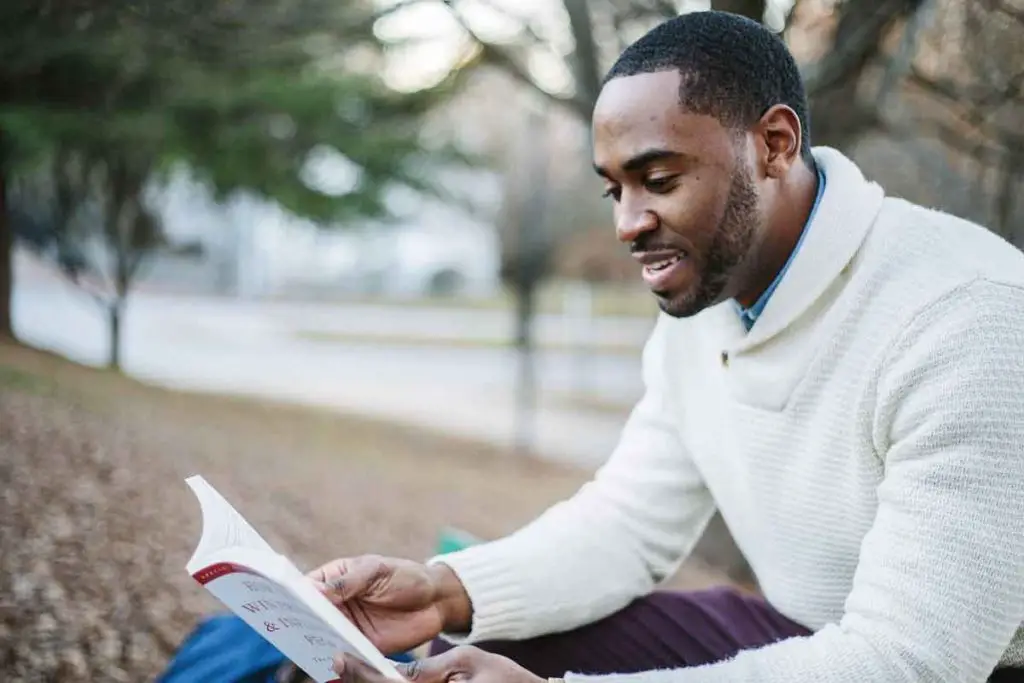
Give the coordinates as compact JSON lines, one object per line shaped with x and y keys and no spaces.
{"x":650,"y":243}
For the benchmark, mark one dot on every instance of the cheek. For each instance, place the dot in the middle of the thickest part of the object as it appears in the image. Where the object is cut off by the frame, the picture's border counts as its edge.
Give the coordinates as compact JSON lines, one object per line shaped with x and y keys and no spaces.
{"x":694,"y":210}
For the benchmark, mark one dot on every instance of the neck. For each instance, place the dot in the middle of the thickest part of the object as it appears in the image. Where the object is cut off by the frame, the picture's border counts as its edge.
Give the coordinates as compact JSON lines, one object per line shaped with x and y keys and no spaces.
{"x":793,"y":204}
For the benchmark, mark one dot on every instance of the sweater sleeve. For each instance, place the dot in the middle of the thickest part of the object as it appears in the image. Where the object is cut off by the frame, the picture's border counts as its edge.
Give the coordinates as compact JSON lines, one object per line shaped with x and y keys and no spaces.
{"x":937,"y":595}
{"x":589,"y":556}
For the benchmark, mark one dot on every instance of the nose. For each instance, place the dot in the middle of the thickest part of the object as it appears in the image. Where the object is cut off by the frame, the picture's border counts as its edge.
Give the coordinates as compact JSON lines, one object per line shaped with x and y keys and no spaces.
{"x":633,"y":221}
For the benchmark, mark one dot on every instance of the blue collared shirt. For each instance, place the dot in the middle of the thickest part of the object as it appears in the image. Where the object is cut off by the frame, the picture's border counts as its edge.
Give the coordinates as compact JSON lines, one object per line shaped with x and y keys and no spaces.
{"x":750,"y":315}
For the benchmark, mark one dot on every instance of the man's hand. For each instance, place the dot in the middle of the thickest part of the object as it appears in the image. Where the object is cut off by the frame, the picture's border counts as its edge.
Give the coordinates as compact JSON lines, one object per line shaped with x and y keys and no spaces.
{"x":460,"y":665}
{"x":397,"y":604}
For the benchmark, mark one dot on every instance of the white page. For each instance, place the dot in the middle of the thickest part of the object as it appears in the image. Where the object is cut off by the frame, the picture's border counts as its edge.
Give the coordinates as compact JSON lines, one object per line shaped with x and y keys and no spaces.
{"x":228,"y":538}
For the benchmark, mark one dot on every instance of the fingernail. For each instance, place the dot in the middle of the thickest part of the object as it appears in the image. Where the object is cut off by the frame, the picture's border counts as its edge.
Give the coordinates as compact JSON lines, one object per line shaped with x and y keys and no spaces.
{"x":338,"y":665}
{"x":409,"y":670}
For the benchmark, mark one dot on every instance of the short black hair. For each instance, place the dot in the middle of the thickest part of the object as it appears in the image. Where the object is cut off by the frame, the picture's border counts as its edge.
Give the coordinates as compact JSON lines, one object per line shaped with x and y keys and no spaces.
{"x":732,"y":67}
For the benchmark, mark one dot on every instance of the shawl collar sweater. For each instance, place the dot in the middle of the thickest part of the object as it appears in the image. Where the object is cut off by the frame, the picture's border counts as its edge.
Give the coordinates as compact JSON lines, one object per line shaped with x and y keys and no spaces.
{"x":864,"y":441}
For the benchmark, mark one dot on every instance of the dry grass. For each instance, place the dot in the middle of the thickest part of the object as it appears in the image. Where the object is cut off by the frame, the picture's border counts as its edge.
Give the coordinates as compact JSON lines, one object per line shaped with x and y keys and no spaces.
{"x":97,"y":523}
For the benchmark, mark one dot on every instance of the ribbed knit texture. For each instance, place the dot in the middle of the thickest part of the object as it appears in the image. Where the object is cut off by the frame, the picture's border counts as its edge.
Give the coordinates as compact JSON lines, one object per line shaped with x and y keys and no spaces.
{"x":864,"y":442}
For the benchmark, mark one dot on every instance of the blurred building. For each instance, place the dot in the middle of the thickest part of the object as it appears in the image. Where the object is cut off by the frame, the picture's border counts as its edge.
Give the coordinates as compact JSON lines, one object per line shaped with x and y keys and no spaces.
{"x":251,"y":247}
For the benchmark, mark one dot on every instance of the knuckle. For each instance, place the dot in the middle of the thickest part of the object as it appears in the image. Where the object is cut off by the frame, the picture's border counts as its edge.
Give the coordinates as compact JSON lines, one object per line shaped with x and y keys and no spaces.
{"x":413,"y":670}
{"x":373,"y":561}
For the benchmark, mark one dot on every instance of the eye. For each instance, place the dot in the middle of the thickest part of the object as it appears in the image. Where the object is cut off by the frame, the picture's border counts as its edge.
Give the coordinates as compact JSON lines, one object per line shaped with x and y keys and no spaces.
{"x":660,"y":184}
{"x":614,"y":192}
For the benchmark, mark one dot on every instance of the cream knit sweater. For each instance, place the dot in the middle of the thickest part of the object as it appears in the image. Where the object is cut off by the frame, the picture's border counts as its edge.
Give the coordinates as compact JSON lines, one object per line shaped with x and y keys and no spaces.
{"x":864,"y":442}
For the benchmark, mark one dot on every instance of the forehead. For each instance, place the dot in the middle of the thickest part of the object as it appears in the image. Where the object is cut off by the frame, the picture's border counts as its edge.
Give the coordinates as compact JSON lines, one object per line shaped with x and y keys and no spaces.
{"x":638,"y":113}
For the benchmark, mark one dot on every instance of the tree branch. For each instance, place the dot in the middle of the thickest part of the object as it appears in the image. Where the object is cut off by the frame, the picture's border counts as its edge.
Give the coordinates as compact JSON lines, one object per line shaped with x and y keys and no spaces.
{"x":974,"y":110}
{"x":985,"y":151}
{"x":136,"y":258}
{"x":584,"y":57}
{"x":525,"y":26}
{"x":949,"y":90}
{"x":901,"y":62}
{"x":1003,"y":8}
{"x":787,"y":21}
{"x":857,"y":39}
{"x":1012,"y":171}
{"x":97,"y":294}
{"x":503,"y":59}
{"x":1013,"y":90}
{"x":665,"y":8}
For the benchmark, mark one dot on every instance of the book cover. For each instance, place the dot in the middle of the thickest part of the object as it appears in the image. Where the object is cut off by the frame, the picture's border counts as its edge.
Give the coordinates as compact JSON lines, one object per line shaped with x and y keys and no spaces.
{"x":265,"y":589}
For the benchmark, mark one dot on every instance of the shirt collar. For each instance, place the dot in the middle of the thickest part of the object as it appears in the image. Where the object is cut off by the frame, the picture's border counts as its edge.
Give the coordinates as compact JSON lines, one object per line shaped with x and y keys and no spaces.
{"x":750,"y":315}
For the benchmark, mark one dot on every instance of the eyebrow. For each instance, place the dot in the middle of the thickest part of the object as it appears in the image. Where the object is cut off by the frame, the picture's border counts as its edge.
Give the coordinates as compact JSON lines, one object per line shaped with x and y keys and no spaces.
{"x":642,"y":160}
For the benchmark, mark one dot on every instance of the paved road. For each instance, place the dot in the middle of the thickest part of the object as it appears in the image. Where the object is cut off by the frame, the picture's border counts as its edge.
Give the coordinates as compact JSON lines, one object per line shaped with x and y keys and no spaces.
{"x":255,"y":348}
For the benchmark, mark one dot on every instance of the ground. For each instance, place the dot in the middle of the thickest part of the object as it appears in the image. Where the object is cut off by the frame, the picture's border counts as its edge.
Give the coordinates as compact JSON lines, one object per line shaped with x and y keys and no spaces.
{"x":98,"y":524}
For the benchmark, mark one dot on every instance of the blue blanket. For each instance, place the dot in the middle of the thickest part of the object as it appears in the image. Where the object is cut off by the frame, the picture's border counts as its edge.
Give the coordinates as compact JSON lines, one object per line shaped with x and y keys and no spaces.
{"x":224,"y":649}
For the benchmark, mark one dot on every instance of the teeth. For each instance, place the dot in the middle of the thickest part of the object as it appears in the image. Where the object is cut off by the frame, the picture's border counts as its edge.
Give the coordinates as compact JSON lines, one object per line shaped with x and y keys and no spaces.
{"x":662,"y":265}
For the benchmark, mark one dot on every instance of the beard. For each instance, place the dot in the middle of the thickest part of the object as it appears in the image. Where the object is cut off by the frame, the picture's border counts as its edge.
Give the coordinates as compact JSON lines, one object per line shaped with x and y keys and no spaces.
{"x":730,"y":247}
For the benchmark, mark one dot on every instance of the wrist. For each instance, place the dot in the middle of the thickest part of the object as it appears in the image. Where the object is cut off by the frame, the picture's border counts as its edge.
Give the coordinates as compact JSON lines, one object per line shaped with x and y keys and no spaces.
{"x":451,"y":599}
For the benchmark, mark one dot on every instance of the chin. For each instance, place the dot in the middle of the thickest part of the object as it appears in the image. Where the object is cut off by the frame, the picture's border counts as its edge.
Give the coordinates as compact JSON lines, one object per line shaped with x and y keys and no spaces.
{"x":680,"y":305}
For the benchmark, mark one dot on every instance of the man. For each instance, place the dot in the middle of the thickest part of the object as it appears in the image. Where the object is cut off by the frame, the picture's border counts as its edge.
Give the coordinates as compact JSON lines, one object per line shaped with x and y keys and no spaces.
{"x":840,"y":373}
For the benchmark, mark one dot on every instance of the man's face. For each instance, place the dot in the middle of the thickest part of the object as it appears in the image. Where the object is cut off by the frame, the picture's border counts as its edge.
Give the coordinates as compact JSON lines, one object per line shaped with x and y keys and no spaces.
{"x":683,"y":187}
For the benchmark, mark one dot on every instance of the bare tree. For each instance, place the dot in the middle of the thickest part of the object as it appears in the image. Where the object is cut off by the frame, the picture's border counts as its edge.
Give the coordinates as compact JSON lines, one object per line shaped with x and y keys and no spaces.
{"x":526,"y":247}
{"x":962,"y":85}
{"x":88,"y":215}
{"x":6,"y":253}
{"x":870,"y":61}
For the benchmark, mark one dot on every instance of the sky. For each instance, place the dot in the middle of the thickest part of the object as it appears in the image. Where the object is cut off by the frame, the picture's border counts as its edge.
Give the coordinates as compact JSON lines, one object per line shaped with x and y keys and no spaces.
{"x":438,"y":40}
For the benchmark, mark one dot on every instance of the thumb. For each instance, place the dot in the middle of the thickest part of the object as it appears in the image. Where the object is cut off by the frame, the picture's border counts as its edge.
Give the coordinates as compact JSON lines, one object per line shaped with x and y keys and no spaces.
{"x":345,"y":580}
{"x":352,"y":669}
{"x":456,"y":663}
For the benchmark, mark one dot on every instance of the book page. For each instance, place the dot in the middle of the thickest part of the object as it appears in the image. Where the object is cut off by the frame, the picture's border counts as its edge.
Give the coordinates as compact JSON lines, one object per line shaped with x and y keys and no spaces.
{"x":223,"y":526}
{"x":279,"y":617}
{"x":269,"y":593}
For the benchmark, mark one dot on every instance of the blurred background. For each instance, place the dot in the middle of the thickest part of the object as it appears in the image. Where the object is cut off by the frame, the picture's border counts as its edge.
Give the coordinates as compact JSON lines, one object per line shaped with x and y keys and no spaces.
{"x":347,"y":260}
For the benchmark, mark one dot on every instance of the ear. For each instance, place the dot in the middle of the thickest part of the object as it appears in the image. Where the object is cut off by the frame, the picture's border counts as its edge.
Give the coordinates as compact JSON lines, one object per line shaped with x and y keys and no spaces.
{"x":781,"y":138}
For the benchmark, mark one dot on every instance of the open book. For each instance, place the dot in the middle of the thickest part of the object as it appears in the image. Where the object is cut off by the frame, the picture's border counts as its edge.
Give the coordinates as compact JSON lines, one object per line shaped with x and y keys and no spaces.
{"x":271,"y":595}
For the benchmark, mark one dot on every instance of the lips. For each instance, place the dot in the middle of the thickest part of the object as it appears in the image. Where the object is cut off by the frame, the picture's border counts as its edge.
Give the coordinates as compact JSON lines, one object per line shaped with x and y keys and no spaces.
{"x":661,"y":267}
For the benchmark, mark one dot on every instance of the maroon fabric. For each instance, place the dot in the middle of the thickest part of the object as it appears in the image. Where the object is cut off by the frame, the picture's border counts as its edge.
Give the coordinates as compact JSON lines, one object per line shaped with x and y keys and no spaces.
{"x":663,"y":630}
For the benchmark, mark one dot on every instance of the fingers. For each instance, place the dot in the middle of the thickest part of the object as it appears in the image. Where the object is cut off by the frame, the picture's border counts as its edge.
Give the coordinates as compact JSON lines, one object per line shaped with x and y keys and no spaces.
{"x":458,"y":664}
{"x":352,"y":669}
{"x":348,"y":579}
{"x":438,"y":669}
{"x":290,"y":673}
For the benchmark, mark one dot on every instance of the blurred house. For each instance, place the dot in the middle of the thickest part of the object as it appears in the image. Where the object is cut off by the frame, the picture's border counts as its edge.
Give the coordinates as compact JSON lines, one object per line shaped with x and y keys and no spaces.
{"x":252,"y":247}
{"x":431,"y":246}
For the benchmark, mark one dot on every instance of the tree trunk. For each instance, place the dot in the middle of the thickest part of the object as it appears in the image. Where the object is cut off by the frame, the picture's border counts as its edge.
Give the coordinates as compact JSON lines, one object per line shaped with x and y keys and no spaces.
{"x":115,"y":313}
{"x":586,"y":64}
{"x":526,"y":385}
{"x":1009,"y":183}
{"x":6,"y":253}
{"x":752,"y":9}
{"x":529,"y":261}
